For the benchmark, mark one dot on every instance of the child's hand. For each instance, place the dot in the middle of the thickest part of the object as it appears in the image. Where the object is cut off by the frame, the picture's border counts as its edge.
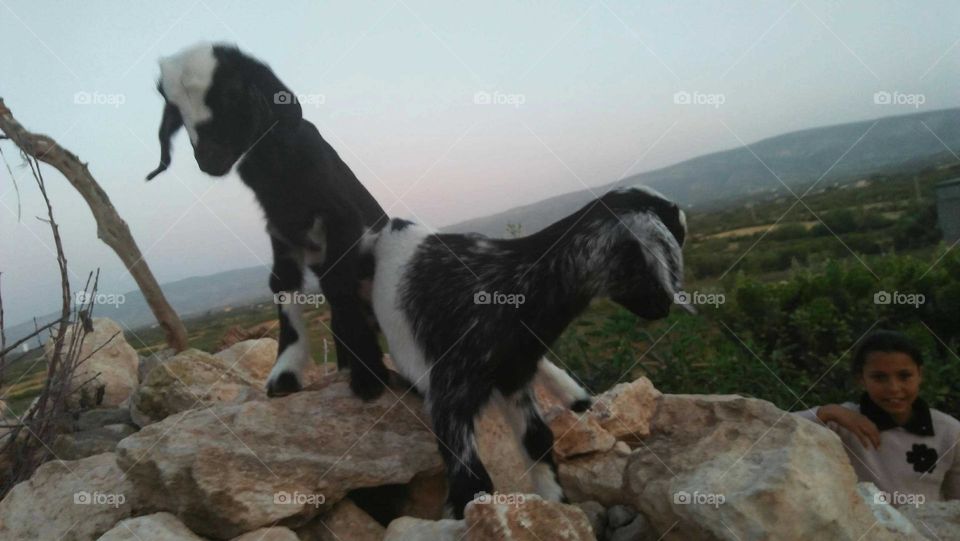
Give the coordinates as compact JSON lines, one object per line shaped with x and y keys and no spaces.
{"x":859,"y":425}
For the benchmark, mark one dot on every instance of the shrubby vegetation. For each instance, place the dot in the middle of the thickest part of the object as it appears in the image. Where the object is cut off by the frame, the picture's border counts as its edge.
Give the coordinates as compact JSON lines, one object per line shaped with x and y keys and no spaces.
{"x":798,"y":297}
{"x":789,"y":341}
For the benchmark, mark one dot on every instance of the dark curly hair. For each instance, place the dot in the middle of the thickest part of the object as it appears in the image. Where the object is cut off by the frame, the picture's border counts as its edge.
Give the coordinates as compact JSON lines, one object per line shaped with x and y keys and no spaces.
{"x":887,"y":342}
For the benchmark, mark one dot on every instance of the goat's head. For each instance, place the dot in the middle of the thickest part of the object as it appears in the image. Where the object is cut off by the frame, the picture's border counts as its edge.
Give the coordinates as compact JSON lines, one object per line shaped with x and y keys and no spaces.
{"x":225,"y":99}
{"x":643,"y":256}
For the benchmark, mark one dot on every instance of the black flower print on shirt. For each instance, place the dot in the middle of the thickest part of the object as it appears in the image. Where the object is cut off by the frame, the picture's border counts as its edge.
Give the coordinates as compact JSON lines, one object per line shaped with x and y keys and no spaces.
{"x":923,"y":458}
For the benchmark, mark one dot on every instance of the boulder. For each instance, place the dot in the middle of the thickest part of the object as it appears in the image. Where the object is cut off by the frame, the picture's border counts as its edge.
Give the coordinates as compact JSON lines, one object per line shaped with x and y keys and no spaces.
{"x":156,"y":526}
{"x":108,"y":376}
{"x":626,"y":410}
{"x":344,"y":521}
{"x":425,"y":496}
{"x":99,"y":417}
{"x":192,"y":379}
{"x":416,"y":529}
{"x":254,"y":359}
{"x":728,"y":467}
{"x":936,"y":520}
{"x":270,"y":534}
{"x":597,"y":476}
{"x":74,"y":500}
{"x":577,"y":434}
{"x":251,"y":358}
{"x":232,"y":468}
{"x":524,"y":517}
{"x":148,"y":363}
{"x":76,"y":445}
{"x":597,"y":515}
{"x":638,"y":529}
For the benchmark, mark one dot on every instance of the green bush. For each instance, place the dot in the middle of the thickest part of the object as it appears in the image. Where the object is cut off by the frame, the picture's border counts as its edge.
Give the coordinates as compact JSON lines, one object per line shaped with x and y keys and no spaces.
{"x":788,"y":341}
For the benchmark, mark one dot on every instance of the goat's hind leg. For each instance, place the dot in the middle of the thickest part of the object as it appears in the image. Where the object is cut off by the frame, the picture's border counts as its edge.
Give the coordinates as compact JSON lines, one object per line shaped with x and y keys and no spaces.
{"x":453,"y":415}
{"x":293,"y":351}
{"x":537,"y":443}
{"x":563,"y":386}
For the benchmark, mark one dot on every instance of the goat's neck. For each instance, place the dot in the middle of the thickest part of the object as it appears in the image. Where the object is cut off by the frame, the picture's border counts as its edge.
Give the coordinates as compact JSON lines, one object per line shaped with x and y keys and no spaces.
{"x":564,"y":270}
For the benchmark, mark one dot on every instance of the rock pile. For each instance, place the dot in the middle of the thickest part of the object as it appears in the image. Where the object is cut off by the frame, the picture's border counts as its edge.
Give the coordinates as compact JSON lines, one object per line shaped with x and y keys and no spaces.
{"x":196,"y":451}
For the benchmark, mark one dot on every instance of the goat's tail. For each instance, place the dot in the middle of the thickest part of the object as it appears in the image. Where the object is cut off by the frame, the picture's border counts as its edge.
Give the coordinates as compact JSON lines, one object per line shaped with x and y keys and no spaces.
{"x":563,"y":386}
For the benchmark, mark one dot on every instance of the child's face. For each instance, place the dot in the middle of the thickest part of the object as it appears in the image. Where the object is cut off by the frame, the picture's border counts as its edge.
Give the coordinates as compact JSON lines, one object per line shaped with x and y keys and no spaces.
{"x":892,"y":379}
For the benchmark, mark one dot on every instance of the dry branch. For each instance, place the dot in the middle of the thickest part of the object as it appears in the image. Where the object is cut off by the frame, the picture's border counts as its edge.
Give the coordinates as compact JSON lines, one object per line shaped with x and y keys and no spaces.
{"x":111,"y":228}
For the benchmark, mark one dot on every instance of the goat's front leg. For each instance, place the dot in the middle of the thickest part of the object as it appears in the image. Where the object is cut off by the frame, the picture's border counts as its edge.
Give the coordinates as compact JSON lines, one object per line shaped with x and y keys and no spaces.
{"x":453,"y":412}
{"x":537,"y":438}
{"x":293,"y":351}
{"x":354,"y":335}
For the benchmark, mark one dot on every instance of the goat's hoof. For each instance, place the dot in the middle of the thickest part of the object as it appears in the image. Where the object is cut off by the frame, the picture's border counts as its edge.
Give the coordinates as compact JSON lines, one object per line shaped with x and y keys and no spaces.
{"x":284,"y":384}
{"x":367,"y":388}
{"x":581,"y":405}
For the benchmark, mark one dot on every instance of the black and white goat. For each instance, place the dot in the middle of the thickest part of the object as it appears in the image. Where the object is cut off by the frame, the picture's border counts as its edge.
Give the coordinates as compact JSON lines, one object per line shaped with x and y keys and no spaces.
{"x":468,"y":318}
{"x":236,"y":110}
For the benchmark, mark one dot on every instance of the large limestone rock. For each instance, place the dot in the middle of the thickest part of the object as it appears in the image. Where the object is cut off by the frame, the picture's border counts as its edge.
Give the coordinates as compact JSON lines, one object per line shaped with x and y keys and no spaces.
{"x":251,"y":358}
{"x":230,"y":469}
{"x":626,"y":409}
{"x":76,"y":445}
{"x":107,"y":376}
{"x":728,"y":467}
{"x":416,"y":529}
{"x":344,"y":521}
{"x":524,"y":517}
{"x":156,"y":526}
{"x":68,"y":500}
{"x":936,"y":520}
{"x":597,"y":476}
{"x":269,"y":534}
{"x":577,"y":434}
{"x":192,"y":379}
{"x":254,"y":359}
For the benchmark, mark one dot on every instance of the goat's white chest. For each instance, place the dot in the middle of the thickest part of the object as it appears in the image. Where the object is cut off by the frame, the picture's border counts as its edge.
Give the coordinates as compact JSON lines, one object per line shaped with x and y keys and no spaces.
{"x":393,"y":251}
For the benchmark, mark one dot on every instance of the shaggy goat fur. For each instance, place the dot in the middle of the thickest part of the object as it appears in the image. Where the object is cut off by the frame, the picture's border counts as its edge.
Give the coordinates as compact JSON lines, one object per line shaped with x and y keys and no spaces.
{"x":468,"y":318}
{"x":236,"y":110}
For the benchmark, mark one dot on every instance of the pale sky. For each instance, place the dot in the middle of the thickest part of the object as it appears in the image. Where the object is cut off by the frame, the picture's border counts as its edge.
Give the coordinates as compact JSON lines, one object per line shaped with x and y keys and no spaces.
{"x":583,"y":94}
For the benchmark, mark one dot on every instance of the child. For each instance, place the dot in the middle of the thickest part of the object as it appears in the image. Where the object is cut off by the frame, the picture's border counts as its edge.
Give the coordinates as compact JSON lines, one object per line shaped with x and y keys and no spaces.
{"x":893,"y":438}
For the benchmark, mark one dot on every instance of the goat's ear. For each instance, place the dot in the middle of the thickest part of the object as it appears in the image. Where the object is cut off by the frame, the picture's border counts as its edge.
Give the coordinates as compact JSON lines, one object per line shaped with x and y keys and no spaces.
{"x":171,"y":122}
{"x":661,"y":251}
{"x":284,"y":103}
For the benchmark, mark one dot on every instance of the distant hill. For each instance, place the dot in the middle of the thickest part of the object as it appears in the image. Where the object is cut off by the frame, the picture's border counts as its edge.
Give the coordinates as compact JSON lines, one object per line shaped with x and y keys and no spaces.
{"x":896,"y":143}
{"x":190,"y":296}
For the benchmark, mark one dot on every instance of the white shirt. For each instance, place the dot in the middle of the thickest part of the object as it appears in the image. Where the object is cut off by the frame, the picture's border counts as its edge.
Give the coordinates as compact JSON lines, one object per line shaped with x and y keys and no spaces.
{"x":906,"y":464}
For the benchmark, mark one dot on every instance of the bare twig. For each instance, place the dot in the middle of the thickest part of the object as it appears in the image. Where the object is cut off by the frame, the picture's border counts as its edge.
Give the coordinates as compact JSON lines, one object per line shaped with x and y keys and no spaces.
{"x":111,"y":228}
